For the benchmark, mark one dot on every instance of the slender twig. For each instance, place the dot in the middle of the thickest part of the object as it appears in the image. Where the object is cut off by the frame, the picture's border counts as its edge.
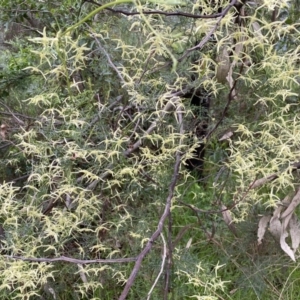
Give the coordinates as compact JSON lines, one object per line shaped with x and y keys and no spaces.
{"x":170,"y":259}
{"x":168,"y":107}
{"x":158,"y":12}
{"x":146,"y":65}
{"x":170,"y":14}
{"x":25,"y":10}
{"x":162,"y":266}
{"x":6,"y":145}
{"x":20,"y":178}
{"x":97,"y":117}
{"x":134,"y":131}
{"x":184,"y":230}
{"x":229,"y":100}
{"x":210,"y":33}
{"x":30,"y":28}
{"x":204,"y":41}
{"x":233,"y":205}
{"x":179,"y":112}
{"x":261,"y":181}
{"x":19,"y":121}
{"x":158,"y":231}
{"x":107,"y":56}
{"x":17,"y":114}
{"x":255,"y":184}
{"x":72,"y":260}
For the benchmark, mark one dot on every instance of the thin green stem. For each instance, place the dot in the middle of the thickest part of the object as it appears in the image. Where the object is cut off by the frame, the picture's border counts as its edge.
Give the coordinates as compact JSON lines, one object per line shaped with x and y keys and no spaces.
{"x":94,"y":12}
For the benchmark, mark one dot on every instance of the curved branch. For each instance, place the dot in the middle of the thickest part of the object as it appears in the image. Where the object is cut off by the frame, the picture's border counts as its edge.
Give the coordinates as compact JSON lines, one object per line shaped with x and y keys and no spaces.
{"x":162,"y":266}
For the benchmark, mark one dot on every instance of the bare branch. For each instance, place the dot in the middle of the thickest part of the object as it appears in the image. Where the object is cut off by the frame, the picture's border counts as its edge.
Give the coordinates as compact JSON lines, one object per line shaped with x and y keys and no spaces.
{"x":19,"y":121}
{"x":159,"y":12}
{"x":158,"y":231}
{"x":72,"y":260}
{"x":168,"y":107}
{"x":6,"y":145}
{"x":179,"y":112}
{"x":17,"y":114}
{"x":261,"y":181}
{"x":210,"y":33}
{"x":107,"y":56}
{"x":230,"y":97}
{"x":162,"y":266}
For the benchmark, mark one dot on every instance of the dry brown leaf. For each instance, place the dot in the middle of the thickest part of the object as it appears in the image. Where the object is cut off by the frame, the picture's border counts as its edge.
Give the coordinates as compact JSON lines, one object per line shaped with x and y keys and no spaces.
{"x":226,"y":136}
{"x":294,"y":203}
{"x":278,"y":225}
{"x":286,"y":221}
{"x":82,"y":273}
{"x":230,"y":81}
{"x":277,"y":211}
{"x":285,"y":202}
{"x":295,"y":232}
{"x":275,"y":224}
{"x":237,"y":50}
{"x":285,"y":247}
{"x":262,"y":226}
{"x":189,"y":243}
{"x":275,"y":227}
{"x":228,"y":220}
{"x":3,"y":131}
{"x":237,"y":56}
{"x":49,"y":290}
{"x":226,"y":215}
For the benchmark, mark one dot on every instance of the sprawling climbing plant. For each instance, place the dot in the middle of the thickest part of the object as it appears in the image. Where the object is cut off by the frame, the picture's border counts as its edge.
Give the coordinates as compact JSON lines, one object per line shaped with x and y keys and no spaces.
{"x":141,"y":142}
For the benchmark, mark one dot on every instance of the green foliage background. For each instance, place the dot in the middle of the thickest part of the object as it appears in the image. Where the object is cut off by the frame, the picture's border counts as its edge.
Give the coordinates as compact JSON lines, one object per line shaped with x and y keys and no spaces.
{"x":80,"y":86}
